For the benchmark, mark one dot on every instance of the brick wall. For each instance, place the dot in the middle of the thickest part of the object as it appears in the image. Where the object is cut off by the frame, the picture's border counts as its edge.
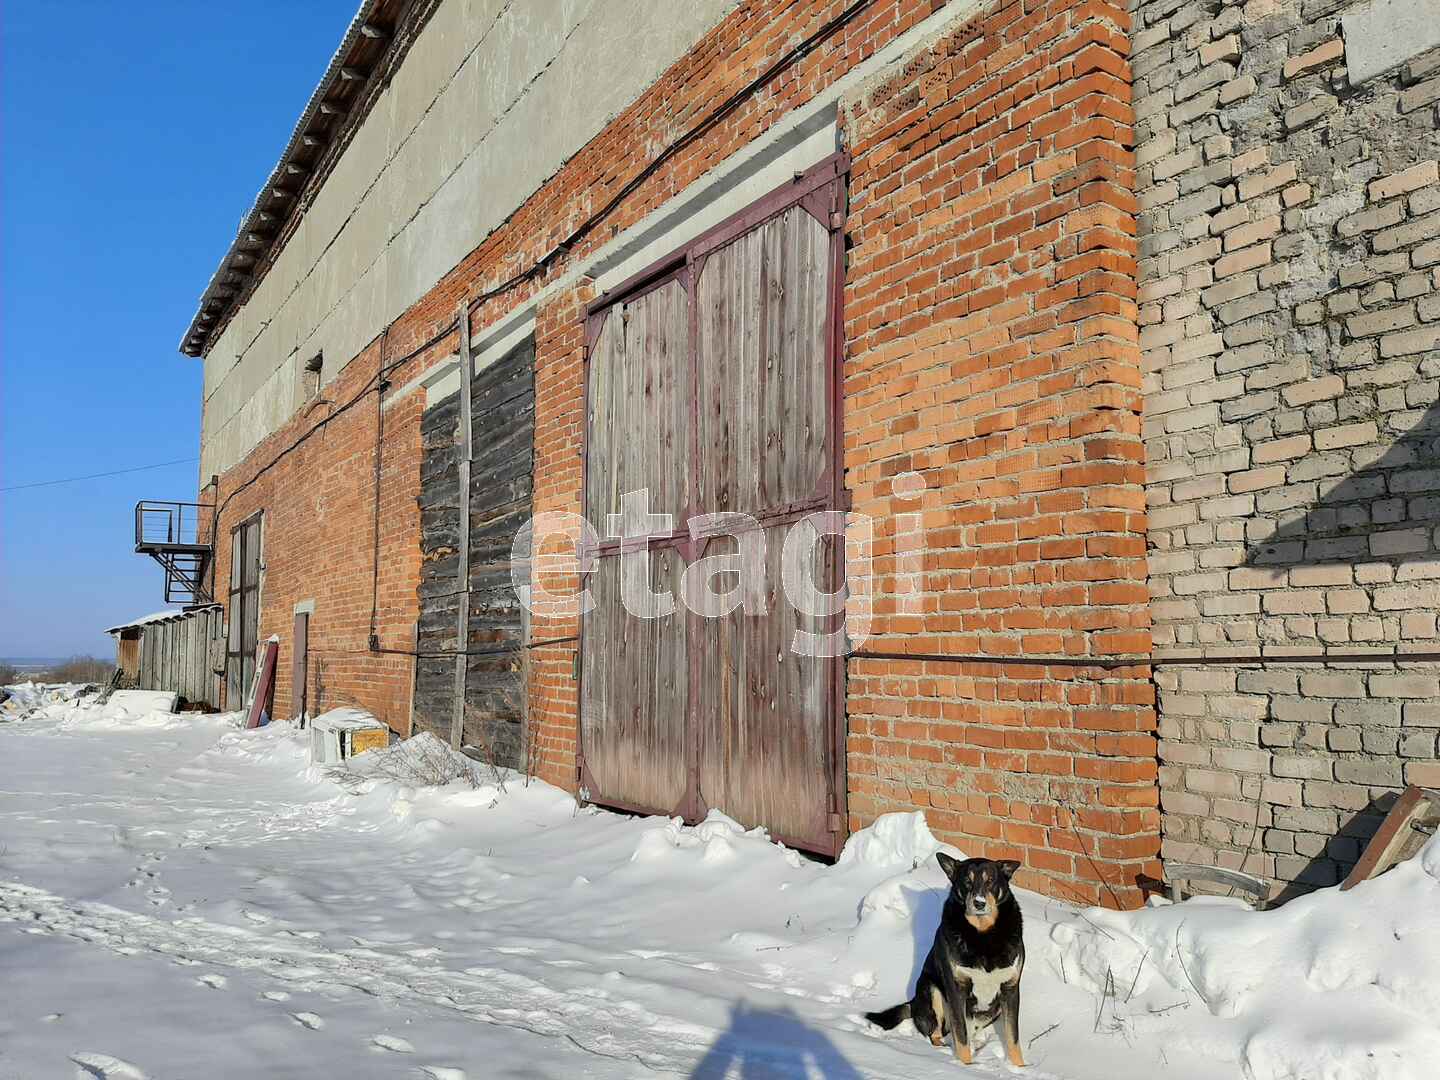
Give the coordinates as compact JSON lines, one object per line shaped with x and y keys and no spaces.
{"x":1290,"y":261}
{"x":319,"y":542}
{"x":552,"y":700}
{"x":990,"y":324}
{"x":991,"y":350}
{"x":990,"y":328}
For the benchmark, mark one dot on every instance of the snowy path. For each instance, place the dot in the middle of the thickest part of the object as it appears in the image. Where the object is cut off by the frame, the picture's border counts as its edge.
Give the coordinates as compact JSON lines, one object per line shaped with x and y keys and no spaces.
{"x":179,"y":899}
{"x":593,"y":1021}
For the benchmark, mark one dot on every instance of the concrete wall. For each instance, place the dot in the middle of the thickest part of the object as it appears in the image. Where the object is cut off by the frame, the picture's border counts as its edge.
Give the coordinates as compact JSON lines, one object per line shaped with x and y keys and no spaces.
{"x":491,"y":100}
{"x":1290,"y":320}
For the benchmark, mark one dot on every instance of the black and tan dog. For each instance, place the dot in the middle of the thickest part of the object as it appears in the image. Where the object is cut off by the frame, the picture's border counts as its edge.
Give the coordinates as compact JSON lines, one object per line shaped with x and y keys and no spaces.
{"x":972,"y":976}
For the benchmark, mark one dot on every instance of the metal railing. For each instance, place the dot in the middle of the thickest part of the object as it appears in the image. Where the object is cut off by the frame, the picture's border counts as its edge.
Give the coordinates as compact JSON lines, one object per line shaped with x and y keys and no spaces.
{"x":159,"y":524}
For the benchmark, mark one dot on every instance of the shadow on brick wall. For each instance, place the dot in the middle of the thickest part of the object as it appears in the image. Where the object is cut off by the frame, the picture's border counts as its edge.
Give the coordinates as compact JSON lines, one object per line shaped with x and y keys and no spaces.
{"x":1341,"y":851}
{"x":1384,"y":511}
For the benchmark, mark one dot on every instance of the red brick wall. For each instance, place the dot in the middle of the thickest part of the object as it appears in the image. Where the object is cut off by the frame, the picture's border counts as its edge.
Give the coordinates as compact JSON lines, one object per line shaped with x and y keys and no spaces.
{"x":991,"y":348}
{"x":318,"y":542}
{"x":553,"y":702}
{"x":990,"y":332}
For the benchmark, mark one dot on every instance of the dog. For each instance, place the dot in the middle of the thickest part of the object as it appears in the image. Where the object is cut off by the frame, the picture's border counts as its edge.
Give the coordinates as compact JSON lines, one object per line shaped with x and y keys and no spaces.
{"x":971,"y":977}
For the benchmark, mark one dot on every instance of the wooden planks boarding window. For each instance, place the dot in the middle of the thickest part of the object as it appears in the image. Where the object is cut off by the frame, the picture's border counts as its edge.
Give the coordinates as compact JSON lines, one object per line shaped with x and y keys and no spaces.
{"x":713,"y":381}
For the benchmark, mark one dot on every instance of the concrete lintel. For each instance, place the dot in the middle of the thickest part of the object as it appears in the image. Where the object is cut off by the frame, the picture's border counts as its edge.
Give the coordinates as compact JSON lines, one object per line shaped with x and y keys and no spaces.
{"x":1384,"y":34}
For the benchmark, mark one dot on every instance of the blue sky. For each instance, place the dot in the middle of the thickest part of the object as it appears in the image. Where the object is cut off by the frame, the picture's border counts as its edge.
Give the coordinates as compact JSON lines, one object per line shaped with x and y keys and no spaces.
{"x":132,"y":139}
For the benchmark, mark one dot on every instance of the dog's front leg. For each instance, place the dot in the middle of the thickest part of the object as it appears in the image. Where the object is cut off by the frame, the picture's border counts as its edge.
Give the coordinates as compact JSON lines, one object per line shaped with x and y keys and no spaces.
{"x":936,"y":1000}
{"x":957,"y":1005}
{"x":1010,"y":1012}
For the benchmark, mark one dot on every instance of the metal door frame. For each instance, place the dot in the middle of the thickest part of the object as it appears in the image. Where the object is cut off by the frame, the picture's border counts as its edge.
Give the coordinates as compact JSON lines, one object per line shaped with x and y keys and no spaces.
{"x":821,"y":191}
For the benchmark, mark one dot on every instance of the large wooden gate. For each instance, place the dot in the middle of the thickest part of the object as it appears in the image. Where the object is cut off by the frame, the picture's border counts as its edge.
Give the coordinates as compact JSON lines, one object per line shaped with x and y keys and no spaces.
{"x":713,"y":381}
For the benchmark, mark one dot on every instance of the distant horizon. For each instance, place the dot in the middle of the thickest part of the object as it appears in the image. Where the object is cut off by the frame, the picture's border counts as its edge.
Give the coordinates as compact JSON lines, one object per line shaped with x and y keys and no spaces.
{"x":24,"y":661}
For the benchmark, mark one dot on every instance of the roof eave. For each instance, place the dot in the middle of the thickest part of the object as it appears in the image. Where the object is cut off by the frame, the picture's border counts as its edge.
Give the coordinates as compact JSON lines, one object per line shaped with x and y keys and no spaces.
{"x":263,"y":226}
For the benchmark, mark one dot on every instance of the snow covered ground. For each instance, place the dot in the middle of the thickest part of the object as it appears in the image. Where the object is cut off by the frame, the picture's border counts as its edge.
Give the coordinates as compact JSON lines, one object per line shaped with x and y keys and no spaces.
{"x":179,"y":898}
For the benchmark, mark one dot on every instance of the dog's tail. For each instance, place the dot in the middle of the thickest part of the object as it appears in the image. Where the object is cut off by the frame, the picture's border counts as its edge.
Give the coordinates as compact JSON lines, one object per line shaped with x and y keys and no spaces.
{"x":891,"y":1017}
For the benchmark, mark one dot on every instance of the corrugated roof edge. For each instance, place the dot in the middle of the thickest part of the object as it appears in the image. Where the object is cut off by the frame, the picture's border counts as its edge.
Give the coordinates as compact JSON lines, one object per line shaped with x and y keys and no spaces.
{"x":197,"y":339}
{"x":157,"y":617}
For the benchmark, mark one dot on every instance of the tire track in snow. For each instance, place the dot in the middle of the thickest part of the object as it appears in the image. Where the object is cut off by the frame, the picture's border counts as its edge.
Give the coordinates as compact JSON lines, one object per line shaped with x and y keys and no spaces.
{"x":612,"y":1028}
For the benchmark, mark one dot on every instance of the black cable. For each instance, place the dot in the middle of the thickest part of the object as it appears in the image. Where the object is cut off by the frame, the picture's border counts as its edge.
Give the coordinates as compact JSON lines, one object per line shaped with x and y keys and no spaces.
{"x":374,"y":381}
{"x":498,"y":651}
{"x":552,"y":641}
{"x":1023,"y":661}
{"x":98,"y":475}
{"x":727,"y":107}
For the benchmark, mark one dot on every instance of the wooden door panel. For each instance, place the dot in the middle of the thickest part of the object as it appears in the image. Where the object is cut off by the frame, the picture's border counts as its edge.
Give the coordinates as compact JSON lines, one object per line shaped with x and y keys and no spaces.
{"x":639,"y":399}
{"x":635,"y":692}
{"x":717,"y":391}
{"x":762,"y":307}
{"x":765,"y":723}
{"x":243,"y":610}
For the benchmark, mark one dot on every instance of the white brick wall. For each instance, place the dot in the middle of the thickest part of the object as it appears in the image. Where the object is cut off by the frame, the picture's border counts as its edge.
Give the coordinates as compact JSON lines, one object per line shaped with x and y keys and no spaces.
{"x":1290,"y":324}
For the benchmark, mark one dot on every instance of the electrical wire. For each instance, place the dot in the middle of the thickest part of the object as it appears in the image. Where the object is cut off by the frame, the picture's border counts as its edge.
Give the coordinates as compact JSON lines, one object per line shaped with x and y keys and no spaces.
{"x":726,"y":108}
{"x":334,"y":413}
{"x":100,"y":475}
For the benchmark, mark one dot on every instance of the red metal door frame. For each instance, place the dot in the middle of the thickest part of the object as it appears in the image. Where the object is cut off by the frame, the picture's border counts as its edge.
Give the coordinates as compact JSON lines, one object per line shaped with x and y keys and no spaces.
{"x":821,"y":192}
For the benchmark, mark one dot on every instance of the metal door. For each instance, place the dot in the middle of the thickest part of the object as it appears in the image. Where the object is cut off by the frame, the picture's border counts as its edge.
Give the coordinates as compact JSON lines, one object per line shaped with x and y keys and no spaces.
{"x":243,"y":610}
{"x":713,"y":381}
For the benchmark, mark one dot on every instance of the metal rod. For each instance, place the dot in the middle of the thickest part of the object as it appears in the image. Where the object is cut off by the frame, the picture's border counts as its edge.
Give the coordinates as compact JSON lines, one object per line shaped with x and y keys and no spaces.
{"x":1391,"y":657}
{"x":465,"y":451}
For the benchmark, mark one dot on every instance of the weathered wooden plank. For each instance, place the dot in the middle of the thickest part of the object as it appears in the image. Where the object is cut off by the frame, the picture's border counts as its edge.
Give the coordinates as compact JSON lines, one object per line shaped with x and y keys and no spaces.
{"x":215,"y":630}
{"x":762,"y":304}
{"x":199,"y":647}
{"x":601,"y":371}
{"x":497,"y":501}
{"x":764,"y":718}
{"x":142,"y":678}
{"x":192,"y":656}
{"x":635,"y":692}
{"x":506,"y":439}
{"x":171,"y":649}
{"x":184,"y":631}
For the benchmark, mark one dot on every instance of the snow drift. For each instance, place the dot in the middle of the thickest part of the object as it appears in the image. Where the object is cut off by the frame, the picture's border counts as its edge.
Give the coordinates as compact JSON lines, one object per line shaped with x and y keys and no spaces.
{"x":169,"y":880}
{"x":1331,"y":985}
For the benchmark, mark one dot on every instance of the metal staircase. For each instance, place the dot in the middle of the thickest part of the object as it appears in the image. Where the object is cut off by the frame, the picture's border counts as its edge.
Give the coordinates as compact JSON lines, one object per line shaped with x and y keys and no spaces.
{"x":169,"y":532}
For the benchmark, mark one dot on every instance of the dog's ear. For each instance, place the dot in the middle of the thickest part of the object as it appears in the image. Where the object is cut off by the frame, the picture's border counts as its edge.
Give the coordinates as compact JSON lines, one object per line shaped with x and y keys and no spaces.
{"x":1008,"y":867}
{"x":950,"y":865}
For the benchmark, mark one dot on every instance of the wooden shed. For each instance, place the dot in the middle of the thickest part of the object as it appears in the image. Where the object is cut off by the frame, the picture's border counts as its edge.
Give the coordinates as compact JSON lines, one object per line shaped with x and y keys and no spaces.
{"x":173,"y":650}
